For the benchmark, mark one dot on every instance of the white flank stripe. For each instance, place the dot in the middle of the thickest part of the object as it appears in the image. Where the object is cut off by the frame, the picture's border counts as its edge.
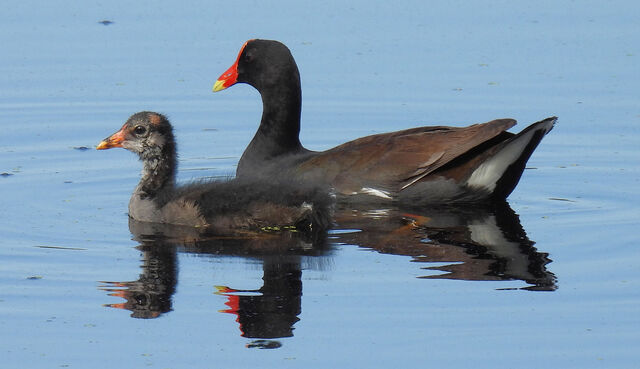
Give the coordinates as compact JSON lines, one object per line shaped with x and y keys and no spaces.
{"x":375,"y":192}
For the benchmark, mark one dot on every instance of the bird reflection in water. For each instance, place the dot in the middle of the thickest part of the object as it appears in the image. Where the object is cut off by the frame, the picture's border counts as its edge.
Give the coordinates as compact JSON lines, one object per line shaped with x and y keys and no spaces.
{"x":272,"y":310}
{"x":149,"y":296}
{"x":264,"y":314}
{"x":475,"y":244}
{"x":479,"y":244}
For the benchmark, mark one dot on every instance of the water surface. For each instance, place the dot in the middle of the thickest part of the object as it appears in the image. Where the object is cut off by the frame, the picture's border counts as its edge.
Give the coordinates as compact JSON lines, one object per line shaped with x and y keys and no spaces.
{"x":549,"y":280}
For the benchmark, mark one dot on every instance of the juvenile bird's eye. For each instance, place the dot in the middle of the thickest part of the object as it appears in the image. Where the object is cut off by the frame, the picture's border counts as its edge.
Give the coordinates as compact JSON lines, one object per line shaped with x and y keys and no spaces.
{"x":139,"y":130}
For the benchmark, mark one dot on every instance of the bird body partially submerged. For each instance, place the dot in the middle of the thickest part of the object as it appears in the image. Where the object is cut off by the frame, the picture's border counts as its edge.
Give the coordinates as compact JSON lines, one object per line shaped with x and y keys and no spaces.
{"x":218,"y":205}
{"x":424,"y":165}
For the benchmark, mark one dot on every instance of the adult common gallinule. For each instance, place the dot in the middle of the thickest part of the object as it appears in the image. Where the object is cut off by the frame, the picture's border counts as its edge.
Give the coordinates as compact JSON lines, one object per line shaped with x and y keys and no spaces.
{"x":219,"y":205}
{"x":420,"y":165}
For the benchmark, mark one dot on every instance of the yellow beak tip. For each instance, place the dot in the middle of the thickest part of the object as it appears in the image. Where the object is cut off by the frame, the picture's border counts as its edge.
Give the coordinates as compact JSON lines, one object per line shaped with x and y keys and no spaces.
{"x":219,"y":85}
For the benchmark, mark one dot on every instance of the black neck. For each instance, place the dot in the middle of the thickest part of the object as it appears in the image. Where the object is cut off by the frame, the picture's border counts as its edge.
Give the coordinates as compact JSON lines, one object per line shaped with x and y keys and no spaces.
{"x":281,"y":108}
{"x":279,"y":129}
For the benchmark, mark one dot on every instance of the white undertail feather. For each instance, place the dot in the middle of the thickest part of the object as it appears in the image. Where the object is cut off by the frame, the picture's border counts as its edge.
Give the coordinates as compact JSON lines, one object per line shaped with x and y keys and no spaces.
{"x":486,"y":176}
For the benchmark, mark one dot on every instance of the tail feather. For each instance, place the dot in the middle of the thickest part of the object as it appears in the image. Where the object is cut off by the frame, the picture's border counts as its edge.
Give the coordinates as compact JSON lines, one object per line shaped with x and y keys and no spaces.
{"x":502,"y":171}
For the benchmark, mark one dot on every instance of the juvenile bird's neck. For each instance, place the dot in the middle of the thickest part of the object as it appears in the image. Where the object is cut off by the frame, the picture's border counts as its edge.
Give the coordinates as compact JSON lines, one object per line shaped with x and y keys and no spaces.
{"x":158,"y":171}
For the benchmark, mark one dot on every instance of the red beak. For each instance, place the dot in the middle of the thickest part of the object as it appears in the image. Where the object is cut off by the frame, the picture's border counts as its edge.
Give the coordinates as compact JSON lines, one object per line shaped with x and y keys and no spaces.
{"x":230,"y":77}
{"x":227,"y":79}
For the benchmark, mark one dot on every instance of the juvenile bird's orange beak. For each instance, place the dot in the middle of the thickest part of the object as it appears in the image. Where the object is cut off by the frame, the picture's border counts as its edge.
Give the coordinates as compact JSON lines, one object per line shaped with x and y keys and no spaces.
{"x":115,"y":140}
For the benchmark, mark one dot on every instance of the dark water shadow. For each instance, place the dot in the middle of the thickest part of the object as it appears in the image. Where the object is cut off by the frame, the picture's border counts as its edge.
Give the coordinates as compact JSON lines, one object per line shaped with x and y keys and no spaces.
{"x":479,"y":244}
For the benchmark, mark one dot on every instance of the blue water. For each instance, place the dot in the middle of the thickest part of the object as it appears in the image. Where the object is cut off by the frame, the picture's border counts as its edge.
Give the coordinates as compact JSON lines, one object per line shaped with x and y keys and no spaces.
{"x":555,"y":286}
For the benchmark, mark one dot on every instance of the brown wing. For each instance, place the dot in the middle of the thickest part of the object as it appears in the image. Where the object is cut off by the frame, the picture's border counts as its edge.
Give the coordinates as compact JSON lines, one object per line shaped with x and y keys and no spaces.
{"x":395,"y":160}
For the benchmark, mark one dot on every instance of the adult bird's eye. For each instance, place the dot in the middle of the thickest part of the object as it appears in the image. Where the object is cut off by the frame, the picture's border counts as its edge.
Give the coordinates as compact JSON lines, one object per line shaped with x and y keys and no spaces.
{"x":139,"y":130}
{"x":248,"y":56}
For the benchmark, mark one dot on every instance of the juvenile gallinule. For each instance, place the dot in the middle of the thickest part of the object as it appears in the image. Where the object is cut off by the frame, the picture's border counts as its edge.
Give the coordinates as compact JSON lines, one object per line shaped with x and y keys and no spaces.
{"x":219,"y":205}
{"x":421,"y":165}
